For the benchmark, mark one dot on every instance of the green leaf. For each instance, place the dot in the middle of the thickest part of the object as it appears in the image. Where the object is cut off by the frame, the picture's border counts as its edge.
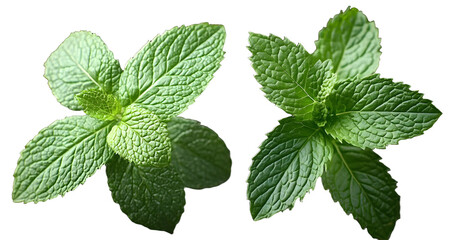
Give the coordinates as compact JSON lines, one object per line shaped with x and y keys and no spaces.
{"x":361,"y":184}
{"x":99,"y":104}
{"x":374,"y":112}
{"x":319,"y":114}
{"x":141,"y":137}
{"x":60,"y":158}
{"x":168,"y":73}
{"x":288,"y":165}
{"x":352,"y":43}
{"x":198,"y":154}
{"x":152,"y":197}
{"x":292,"y":79}
{"x":81,"y":62}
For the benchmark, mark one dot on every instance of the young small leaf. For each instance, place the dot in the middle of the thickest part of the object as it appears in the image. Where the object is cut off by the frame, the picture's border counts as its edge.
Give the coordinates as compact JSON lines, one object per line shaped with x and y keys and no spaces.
{"x":141,"y":137}
{"x":198,"y":154}
{"x":60,"y":158}
{"x":361,"y":184}
{"x":374,"y":112}
{"x":168,"y":73}
{"x":81,"y":62}
{"x":291,"y":78}
{"x":352,"y":43}
{"x":98,"y":104}
{"x":152,"y":197}
{"x":288,"y":165}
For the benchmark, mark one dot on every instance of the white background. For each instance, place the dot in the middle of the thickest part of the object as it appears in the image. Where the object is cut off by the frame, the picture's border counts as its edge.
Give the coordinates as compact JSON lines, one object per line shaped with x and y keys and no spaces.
{"x":418,"y":45}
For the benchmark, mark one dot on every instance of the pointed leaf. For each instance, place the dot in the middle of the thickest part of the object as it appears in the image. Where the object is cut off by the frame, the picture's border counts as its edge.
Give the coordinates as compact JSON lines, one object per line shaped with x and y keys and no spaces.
{"x":141,"y":137}
{"x":361,"y":184}
{"x":198,"y":154}
{"x":82,"y":61}
{"x":152,"y":197}
{"x":288,"y":165}
{"x":291,"y":78}
{"x":352,"y":43}
{"x":60,"y":158}
{"x":374,"y":112}
{"x":169,"y":72}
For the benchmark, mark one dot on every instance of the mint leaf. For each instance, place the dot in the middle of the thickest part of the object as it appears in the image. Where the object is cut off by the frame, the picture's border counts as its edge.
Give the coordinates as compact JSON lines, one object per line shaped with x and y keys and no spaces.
{"x":81,"y":62}
{"x":352,"y":43}
{"x":60,"y":158}
{"x":361,"y":184}
{"x":288,"y":165}
{"x":291,"y":77}
{"x":198,"y":154}
{"x":141,"y":137}
{"x":98,"y":104}
{"x":374,"y":112}
{"x":168,"y":73}
{"x":152,"y":197}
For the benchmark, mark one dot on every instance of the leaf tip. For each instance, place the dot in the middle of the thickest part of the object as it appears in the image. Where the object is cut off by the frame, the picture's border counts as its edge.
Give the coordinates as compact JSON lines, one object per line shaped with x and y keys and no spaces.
{"x":170,"y":230}
{"x":255,"y":215}
{"x":252,"y":37}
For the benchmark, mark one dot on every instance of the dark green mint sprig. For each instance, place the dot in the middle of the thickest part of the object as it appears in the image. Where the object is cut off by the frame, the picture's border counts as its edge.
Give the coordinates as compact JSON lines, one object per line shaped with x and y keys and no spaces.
{"x":341,"y":109}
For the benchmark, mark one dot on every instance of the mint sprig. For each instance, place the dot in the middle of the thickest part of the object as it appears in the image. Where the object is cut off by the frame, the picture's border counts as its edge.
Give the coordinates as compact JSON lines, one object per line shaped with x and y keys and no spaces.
{"x":341,"y":109}
{"x":131,"y":125}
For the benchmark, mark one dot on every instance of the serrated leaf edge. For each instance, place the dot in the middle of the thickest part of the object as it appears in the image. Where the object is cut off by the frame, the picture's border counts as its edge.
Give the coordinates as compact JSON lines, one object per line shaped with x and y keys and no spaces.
{"x":351,"y":174}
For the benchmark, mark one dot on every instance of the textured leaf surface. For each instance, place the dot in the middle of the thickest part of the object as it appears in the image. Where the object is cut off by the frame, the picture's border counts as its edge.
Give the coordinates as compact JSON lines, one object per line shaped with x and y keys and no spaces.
{"x":61,"y":157}
{"x":288,"y":165}
{"x":81,"y":62}
{"x":141,"y":137}
{"x":152,"y":197}
{"x":99,"y":104}
{"x":291,"y":78}
{"x":361,"y":184}
{"x":352,"y":43}
{"x":198,"y":154}
{"x":169,"y":72}
{"x":374,"y":112}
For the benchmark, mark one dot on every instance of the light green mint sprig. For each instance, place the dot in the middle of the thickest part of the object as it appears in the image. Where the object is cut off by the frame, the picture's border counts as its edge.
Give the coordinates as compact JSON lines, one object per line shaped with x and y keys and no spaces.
{"x":131,"y":125}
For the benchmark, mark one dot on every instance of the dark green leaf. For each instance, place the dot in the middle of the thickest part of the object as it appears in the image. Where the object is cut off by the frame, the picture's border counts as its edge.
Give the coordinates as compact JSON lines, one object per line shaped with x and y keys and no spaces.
{"x":288,"y":165}
{"x":292,"y":79}
{"x":374,"y":112}
{"x":152,"y":197}
{"x":361,"y":184}
{"x":352,"y":43}
{"x":198,"y":154}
